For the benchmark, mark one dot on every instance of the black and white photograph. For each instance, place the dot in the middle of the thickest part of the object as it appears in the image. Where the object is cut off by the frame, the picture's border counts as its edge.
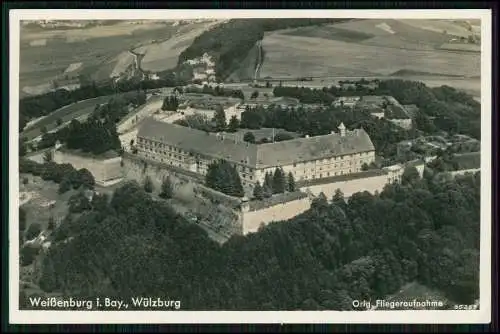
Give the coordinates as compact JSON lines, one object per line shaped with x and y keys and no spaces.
{"x":328,"y":166}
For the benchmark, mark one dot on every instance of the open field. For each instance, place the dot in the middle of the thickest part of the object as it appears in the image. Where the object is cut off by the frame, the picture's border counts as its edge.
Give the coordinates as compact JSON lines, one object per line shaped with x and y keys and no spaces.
{"x":66,"y":114}
{"x":46,"y":54}
{"x":365,"y":48}
{"x":306,"y":56}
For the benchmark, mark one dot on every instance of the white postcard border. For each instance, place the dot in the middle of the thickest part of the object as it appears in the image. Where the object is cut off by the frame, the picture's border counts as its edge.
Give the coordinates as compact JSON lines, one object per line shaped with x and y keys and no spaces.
{"x":129,"y":317}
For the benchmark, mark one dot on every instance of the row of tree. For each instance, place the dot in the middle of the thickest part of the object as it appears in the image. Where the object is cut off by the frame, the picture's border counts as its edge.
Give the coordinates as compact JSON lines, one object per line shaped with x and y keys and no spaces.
{"x":216,"y":90}
{"x":274,"y":183}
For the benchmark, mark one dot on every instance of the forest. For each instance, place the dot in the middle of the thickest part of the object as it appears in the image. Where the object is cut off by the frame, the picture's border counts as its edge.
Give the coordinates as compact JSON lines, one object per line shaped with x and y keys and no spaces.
{"x":424,"y":230}
{"x":230,"y":42}
{"x":440,"y":108}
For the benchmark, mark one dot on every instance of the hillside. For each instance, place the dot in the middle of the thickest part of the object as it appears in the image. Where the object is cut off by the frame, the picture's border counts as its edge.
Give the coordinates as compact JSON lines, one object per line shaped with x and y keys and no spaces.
{"x":231,"y":41}
{"x":363,"y":47}
{"x":426,"y":231}
{"x":66,"y":57}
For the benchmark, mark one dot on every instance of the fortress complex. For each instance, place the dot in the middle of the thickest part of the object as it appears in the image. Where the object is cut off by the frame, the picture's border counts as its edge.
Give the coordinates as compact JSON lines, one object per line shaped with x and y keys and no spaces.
{"x":306,"y":158}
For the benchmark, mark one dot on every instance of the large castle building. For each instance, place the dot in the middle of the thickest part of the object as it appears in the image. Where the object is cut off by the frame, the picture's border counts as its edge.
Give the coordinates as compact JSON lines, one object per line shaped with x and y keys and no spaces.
{"x":317,"y":157}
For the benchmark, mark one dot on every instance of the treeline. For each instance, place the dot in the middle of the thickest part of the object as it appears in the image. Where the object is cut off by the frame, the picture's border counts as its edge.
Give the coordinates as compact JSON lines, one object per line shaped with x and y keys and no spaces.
{"x":230,"y":42}
{"x":440,"y":108}
{"x":423,"y":230}
{"x":216,"y":91}
{"x":32,"y":107}
{"x":383,"y":133}
{"x":97,"y":134}
{"x":64,"y":174}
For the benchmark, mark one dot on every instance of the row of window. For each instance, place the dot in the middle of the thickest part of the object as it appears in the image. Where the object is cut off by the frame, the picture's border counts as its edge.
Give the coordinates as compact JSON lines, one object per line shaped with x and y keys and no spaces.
{"x":328,"y":160}
{"x":328,"y":174}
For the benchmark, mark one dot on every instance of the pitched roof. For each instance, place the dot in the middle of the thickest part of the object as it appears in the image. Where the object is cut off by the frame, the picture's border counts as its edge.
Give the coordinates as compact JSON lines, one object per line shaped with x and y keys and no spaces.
{"x":307,"y":149}
{"x":257,"y":156}
{"x":198,"y":141}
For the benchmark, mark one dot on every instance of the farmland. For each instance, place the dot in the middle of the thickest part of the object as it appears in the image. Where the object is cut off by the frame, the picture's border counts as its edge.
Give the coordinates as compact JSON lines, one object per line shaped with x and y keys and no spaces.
{"x":373,"y":48}
{"x":66,"y":114}
{"x":308,"y":56}
{"x":100,"y":51}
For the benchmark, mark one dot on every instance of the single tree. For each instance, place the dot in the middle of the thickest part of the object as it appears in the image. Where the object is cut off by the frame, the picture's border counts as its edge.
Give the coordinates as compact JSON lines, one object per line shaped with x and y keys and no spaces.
{"x":22,"y":219}
{"x":410,"y":175}
{"x":364,"y":167}
{"x":268,"y":185}
{"x":258,"y":192}
{"x":148,"y":184}
{"x":48,"y":157}
{"x":255,"y":94}
{"x":59,"y":122}
{"x":167,"y":190}
{"x":279,"y":182}
{"x":51,"y":225}
{"x":234,"y":124}
{"x":290,"y":182}
{"x":64,"y":186}
{"x":249,"y":137}
{"x":220,"y":118}
{"x":86,"y":178}
{"x":28,"y":254}
{"x":33,"y":231}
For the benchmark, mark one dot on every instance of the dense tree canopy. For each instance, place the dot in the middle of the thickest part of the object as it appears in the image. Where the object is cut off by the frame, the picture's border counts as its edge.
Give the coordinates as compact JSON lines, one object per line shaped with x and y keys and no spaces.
{"x":367,"y":248}
{"x":440,"y":108}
